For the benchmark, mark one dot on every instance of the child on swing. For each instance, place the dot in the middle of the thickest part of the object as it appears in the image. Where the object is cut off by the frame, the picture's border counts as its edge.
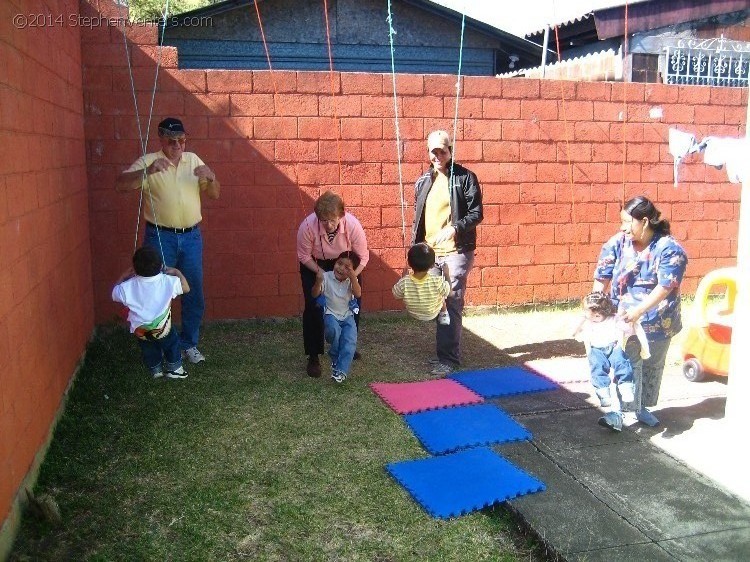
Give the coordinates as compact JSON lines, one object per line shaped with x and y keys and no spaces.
{"x":147,"y":290}
{"x":604,"y":334}
{"x":424,"y":291}
{"x":339,"y":287}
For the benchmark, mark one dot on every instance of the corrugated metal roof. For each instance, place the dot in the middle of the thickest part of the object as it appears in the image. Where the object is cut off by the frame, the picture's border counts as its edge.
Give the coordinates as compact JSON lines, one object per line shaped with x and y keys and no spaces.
{"x":603,"y":65}
{"x":644,"y":15}
{"x":661,"y":13}
{"x":566,"y":23}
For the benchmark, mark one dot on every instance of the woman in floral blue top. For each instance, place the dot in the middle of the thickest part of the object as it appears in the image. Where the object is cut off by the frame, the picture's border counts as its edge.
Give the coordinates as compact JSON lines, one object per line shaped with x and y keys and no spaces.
{"x":642,"y":267}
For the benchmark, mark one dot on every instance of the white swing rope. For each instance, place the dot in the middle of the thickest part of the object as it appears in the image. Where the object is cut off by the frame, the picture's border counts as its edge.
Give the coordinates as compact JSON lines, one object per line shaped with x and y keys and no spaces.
{"x":458,"y":96}
{"x":144,"y":139}
{"x":391,"y":33}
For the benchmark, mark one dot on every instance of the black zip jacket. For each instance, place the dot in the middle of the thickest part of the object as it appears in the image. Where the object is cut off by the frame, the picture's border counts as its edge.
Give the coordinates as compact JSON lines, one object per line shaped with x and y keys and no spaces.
{"x":465,"y":201}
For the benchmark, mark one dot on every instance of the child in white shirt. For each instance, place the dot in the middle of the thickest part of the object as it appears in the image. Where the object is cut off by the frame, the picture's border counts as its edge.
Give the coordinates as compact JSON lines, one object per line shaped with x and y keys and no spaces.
{"x":604,"y":335}
{"x":147,"y":290}
{"x":340,"y":331}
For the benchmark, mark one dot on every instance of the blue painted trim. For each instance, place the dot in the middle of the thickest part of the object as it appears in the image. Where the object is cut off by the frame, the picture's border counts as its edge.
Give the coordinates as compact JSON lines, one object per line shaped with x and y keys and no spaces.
{"x":196,"y":53}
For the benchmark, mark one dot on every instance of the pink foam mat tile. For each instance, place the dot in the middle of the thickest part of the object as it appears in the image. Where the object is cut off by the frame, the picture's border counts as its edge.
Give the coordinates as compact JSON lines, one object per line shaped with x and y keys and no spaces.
{"x":411,"y":397}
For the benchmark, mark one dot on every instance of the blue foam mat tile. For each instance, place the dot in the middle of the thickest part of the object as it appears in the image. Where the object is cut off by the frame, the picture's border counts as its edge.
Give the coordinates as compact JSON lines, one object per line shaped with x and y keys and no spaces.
{"x":459,"y":483}
{"x":450,"y":429}
{"x":503,"y":381}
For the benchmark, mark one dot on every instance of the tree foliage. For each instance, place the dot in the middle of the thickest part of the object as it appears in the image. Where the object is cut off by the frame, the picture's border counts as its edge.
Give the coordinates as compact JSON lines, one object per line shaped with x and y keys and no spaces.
{"x":154,"y":9}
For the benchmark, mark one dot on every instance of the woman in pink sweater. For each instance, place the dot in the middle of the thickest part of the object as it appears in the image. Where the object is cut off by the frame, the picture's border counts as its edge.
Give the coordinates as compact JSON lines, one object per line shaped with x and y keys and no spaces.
{"x":321,"y":238}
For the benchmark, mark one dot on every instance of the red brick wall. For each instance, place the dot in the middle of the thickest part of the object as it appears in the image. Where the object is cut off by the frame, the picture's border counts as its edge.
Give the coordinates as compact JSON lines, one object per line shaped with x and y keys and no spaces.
{"x":46,"y":301}
{"x":275,"y":139}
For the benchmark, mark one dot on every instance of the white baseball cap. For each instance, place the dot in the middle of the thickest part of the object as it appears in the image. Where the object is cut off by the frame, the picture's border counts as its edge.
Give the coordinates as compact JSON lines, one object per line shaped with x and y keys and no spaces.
{"x":438,"y":139}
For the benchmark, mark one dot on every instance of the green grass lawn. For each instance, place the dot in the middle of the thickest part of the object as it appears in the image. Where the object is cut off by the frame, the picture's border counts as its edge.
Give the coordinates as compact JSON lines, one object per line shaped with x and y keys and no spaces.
{"x":249,"y":458}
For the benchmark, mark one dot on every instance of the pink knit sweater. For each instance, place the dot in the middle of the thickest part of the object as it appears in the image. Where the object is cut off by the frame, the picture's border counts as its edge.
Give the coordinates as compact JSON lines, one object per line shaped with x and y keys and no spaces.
{"x":313,"y":244}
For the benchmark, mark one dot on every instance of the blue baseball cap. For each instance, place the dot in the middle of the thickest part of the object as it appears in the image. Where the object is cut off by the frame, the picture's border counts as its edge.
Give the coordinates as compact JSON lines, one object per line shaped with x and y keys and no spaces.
{"x":171,"y":127}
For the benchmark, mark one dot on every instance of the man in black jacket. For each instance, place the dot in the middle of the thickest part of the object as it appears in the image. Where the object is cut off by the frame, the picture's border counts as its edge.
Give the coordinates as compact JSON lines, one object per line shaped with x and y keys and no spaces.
{"x":448,"y":208}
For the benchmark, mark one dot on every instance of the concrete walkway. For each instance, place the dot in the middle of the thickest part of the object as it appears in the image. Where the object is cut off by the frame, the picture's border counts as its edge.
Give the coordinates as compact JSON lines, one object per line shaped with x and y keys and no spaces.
{"x":679,"y":491}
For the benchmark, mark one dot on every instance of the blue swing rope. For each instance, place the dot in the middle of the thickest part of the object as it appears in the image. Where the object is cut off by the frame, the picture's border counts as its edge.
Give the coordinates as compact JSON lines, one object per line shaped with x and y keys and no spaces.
{"x":144,"y":139}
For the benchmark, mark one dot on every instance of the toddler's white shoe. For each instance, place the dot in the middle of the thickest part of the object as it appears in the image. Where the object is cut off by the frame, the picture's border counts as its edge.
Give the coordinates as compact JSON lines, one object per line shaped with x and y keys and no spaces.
{"x":626,"y":392}
{"x":178,"y":373}
{"x":604,"y":398}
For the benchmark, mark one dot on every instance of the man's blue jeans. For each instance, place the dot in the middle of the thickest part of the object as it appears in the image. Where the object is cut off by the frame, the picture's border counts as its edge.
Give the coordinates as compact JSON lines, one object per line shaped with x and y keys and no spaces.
{"x":166,"y":350}
{"x":341,"y":336}
{"x":185,"y":252}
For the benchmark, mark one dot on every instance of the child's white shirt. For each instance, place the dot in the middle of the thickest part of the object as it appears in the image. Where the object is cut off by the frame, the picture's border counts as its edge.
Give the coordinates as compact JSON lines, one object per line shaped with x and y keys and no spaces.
{"x":612,"y":330}
{"x":338,"y":294}
{"x":147,"y":298}
{"x":600,"y":334}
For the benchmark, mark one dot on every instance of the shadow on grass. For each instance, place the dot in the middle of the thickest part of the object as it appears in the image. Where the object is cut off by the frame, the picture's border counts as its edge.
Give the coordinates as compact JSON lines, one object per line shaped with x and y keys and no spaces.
{"x":248,"y":458}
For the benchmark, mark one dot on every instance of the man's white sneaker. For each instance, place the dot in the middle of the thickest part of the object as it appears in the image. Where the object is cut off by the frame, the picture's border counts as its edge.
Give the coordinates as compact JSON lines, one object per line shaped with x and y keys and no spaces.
{"x":604,"y":398}
{"x":193,"y":355}
{"x":441,"y":370}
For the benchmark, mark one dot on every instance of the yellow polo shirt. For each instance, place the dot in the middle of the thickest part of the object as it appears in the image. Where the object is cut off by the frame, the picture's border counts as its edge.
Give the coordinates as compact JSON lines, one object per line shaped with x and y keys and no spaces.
{"x":438,"y":215}
{"x":176,"y":192}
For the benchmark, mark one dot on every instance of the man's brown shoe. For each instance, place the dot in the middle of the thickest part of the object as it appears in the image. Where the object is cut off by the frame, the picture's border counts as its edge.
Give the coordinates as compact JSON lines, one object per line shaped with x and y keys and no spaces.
{"x":313,"y":366}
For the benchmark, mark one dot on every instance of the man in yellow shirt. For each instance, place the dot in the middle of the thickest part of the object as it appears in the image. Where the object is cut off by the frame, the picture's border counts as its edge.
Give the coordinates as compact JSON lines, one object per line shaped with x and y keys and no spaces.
{"x":173,"y":181}
{"x":447,"y":210}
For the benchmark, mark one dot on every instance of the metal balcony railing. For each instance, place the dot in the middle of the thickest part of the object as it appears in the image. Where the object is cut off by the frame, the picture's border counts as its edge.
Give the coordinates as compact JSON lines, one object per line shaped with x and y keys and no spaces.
{"x":708,"y":62}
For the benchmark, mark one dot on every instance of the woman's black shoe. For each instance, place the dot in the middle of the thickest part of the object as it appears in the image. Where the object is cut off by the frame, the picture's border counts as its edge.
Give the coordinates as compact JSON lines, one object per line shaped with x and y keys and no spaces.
{"x":313,"y":366}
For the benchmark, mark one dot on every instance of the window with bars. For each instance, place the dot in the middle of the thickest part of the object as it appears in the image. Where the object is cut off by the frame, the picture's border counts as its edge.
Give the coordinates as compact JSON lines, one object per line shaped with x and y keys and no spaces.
{"x":708,"y":62}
